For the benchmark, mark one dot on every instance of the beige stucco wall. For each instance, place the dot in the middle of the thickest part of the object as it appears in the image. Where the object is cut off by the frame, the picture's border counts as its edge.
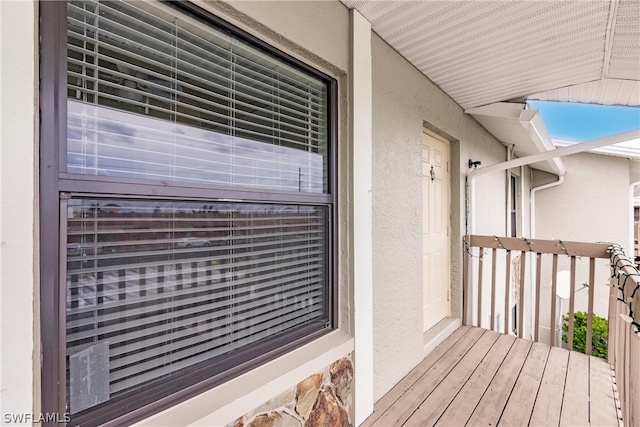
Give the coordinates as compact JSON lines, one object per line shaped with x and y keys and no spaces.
{"x":319,"y":27}
{"x":593,"y":203}
{"x":18,"y":220}
{"x":402,"y":100}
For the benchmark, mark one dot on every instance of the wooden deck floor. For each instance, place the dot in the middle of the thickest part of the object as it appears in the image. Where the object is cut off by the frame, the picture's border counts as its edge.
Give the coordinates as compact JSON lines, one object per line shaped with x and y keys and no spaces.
{"x":478,"y":377}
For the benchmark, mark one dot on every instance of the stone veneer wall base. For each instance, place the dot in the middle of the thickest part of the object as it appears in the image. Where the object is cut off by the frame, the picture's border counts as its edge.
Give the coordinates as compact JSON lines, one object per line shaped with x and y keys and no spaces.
{"x":324,"y":399}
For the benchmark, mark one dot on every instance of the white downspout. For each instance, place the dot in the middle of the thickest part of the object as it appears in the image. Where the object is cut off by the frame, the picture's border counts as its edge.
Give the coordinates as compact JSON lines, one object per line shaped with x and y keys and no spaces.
{"x":532,"y":233}
{"x":532,"y":201}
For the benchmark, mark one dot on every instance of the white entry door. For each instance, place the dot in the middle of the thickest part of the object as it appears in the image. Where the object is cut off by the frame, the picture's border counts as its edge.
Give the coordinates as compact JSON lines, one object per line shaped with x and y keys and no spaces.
{"x":435,"y":230}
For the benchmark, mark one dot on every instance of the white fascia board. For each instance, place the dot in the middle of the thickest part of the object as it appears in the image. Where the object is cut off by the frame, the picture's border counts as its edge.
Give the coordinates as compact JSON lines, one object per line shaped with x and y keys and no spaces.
{"x":531,"y":121}
{"x":507,"y":110}
{"x":613,"y":150}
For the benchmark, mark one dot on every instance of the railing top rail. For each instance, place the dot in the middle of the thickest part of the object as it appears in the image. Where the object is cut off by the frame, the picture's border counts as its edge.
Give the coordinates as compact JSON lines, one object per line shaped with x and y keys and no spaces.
{"x":560,"y":247}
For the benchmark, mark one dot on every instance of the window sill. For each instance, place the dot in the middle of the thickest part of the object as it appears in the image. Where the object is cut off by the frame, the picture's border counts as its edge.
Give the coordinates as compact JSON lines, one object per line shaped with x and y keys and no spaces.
{"x":225,"y":403}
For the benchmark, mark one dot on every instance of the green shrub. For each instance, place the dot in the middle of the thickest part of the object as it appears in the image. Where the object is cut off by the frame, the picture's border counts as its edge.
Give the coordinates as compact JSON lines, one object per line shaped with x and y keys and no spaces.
{"x":600,"y":333}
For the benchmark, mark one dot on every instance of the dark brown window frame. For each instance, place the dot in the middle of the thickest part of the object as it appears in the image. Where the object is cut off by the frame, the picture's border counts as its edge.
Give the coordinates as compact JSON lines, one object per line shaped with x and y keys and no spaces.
{"x":55,"y":184}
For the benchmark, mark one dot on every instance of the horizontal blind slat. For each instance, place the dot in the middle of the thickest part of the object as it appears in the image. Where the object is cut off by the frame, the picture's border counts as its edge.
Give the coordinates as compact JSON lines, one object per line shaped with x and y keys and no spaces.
{"x":186,"y":347}
{"x":181,"y":317}
{"x":164,"y":289}
{"x":201,"y":357}
{"x":186,"y":296}
{"x":147,"y":47}
{"x":264,"y":254}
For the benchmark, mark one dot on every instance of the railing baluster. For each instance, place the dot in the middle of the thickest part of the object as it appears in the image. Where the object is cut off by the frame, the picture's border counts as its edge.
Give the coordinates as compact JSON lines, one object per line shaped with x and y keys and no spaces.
{"x":572,"y":302}
{"x":537,"y":321}
{"x":554,"y":284}
{"x":493,"y":288}
{"x":480,"y":263}
{"x":523,"y":271}
{"x":507,"y":293}
{"x":592,"y":290}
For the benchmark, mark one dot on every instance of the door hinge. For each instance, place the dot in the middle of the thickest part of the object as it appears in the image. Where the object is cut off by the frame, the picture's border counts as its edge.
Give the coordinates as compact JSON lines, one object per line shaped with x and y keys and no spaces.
{"x":448,"y":296}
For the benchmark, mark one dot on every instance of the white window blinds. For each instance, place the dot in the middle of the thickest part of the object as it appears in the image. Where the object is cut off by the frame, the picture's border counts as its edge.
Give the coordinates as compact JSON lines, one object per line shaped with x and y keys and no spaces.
{"x":166,"y":288}
{"x":167,"y":285}
{"x":159,"y":95}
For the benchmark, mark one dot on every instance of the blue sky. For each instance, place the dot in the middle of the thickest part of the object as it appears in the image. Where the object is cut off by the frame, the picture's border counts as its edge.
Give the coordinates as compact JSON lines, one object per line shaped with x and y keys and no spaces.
{"x":584,"y":122}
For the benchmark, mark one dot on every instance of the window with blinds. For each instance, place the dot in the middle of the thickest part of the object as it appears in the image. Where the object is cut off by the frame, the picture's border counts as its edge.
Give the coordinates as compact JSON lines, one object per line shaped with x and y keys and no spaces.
{"x":167,"y":285}
{"x":158,"y":95}
{"x":166,"y":281}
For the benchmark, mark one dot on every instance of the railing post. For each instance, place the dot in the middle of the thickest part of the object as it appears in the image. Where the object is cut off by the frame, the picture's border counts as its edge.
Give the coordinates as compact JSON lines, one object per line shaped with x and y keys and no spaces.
{"x":480,"y":273}
{"x":523,"y":273}
{"x":493,"y":287}
{"x":537,"y":317}
{"x":507,"y":293}
{"x":466,"y":286}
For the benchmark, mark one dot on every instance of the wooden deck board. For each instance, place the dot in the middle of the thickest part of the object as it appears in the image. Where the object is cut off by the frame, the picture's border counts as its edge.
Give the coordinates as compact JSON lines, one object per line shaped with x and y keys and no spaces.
{"x":492,"y":404}
{"x":478,"y":377}
{"x":548,"y":406}
{"x":462,"y":406}
{"x":520,"y":405}
{"x":402,"y":409}
{"x":414,"y":375}
{"x":575,"y":404}
{"x":430,"y":410}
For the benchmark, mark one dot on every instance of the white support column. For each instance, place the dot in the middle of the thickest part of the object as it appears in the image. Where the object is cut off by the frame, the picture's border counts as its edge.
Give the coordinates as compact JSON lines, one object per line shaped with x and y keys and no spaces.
{"x":19,"y":361}
{"x":360,"y":222}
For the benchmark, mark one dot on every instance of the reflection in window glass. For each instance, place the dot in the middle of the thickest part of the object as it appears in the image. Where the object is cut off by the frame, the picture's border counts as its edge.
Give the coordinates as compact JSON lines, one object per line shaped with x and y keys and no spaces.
{"x":162,"y":286}
{"x":104,"y":141}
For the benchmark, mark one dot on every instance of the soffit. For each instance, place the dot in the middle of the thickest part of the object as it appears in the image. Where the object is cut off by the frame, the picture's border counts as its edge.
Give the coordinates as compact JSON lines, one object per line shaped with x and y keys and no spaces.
{"x":481,"y":52}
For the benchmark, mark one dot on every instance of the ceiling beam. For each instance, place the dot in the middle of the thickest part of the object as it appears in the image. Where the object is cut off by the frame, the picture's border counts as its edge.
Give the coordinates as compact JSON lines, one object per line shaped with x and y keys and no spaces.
{"x":608,"y":41}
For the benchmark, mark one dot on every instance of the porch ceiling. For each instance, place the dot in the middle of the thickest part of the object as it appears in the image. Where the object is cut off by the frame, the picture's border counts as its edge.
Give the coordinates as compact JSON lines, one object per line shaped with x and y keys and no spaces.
{"x":482,"y":52}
